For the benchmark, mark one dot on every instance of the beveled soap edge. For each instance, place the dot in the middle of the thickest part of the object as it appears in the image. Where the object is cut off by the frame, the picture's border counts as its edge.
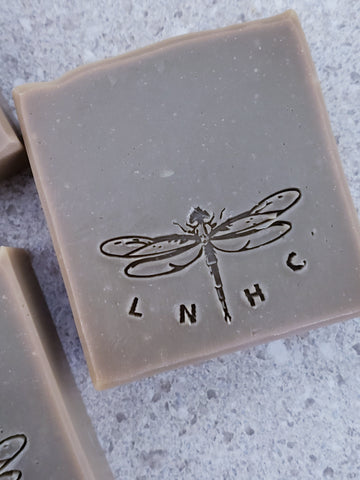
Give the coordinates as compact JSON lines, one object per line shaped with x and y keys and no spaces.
{"x":59,"y":379}
{"x":197,"y":360}
{"x":289,"y":14}
{"x":291,"y":19}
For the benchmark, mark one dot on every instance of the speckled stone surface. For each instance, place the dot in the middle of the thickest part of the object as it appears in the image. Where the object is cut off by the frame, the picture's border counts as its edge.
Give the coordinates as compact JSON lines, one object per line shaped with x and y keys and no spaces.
{"x":289,"y":409}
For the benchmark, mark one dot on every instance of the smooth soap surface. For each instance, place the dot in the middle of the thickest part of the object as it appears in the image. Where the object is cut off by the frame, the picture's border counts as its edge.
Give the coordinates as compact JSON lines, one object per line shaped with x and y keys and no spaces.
{"x":133,"y":155}
{"x":44,"y":430}
{"x":12,"y":155}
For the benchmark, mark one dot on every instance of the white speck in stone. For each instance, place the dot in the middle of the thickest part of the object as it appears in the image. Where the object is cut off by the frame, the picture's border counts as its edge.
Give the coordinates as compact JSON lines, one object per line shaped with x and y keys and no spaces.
{"x":18,"y":81}
{"x":166,"y":173}
{"x":58,"y":120}
{"x":326,"y":349}
{"x":40,"y":74}
{"x":88,"y":56}
{"x":256,"y":70}
{"x":175,"y":114}
{"x":67,"y":186}
{"x":136,"y":172}
{"x":182,"y":413}
{"x":25,"y":23}
{"x":278,"y":352}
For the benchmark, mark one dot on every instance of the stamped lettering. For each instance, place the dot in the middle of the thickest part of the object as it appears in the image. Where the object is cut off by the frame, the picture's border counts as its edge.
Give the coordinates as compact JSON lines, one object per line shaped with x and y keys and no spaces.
{"x":133,"y":309}
{"x":186,"y":315}
{"x":293,"y":264}
{"x":254,"y":295}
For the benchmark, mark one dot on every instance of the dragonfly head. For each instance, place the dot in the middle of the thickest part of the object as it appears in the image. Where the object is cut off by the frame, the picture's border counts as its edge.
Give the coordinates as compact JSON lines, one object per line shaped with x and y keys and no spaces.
{"x":198,"y":216}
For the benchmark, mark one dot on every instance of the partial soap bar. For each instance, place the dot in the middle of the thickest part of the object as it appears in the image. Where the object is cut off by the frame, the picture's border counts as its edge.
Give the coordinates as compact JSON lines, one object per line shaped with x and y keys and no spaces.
{"x":195,"y":197}
{"x":45,"y":432}
{"x":12,"y":154}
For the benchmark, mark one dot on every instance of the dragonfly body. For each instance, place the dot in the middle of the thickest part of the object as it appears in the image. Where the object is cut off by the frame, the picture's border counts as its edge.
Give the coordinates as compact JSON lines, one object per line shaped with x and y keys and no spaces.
{"x":201,"y":224}
{"x":155,"y":256}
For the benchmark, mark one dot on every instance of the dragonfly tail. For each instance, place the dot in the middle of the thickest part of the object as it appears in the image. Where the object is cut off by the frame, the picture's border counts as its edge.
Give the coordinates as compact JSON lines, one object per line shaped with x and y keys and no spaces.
{"x":212,"y":263}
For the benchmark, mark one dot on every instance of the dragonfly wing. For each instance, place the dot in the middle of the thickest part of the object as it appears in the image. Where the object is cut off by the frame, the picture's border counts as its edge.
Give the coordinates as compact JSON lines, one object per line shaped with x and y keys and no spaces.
{"x":153,"y":257}
{"x":278,"y":202}
{"x":11,"y":475}
{"x":124,"y":246}
{"x":130,"y":246}
{"x":260,"y":216}
{"x":10,"y":448}
{"x":252,"y":238}
{"x":164,"y":264}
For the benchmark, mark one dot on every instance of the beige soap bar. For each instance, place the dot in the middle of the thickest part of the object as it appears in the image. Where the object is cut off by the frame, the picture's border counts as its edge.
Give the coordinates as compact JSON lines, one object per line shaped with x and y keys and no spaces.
{"x":12,"y":154}
{"x":195,"y":197}
{"x":45,"y":432}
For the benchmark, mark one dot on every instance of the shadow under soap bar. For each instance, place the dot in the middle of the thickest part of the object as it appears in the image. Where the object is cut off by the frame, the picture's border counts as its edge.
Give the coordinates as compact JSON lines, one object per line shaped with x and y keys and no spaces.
{"x":12,"y":153}
{"x":195,"y":197}
{"x":45,"y":432}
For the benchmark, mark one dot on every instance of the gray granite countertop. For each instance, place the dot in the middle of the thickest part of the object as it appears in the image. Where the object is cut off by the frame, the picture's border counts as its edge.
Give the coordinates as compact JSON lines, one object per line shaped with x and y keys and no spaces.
{"x":289,"y":409}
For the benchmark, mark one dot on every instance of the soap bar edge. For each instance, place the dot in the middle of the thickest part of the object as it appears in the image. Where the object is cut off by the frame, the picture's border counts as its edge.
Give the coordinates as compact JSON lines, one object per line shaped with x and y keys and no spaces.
{"x":288,"y":15}
{"x":65,"y":395}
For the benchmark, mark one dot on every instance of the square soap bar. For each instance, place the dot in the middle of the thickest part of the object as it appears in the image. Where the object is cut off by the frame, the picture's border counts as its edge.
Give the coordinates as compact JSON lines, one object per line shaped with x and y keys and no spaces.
{"x":195,"y":197}
{"x":45,"y":432}
{"x":12,"y":154}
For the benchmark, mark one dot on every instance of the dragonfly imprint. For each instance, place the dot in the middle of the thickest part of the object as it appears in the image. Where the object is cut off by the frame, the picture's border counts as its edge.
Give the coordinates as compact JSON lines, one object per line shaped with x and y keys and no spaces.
{"x":10,"y":448}
{"x":155,"y":256}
